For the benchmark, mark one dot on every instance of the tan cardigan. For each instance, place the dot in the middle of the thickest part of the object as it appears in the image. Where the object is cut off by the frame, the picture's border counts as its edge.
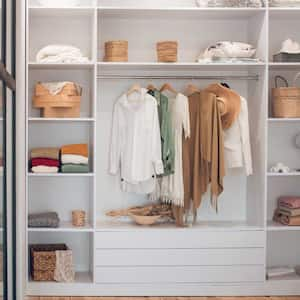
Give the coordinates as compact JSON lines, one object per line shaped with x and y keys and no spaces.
{"x":203,"y":153}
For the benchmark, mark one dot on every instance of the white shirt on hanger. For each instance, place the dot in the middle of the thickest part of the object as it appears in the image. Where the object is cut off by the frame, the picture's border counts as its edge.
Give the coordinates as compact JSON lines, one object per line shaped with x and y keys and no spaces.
{"x":237,"y":148}
{"x":135,"y":141}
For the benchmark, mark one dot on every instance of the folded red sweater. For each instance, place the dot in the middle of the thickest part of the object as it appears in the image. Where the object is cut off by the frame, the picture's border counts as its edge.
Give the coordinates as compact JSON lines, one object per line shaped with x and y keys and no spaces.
{"x":44,"y":162}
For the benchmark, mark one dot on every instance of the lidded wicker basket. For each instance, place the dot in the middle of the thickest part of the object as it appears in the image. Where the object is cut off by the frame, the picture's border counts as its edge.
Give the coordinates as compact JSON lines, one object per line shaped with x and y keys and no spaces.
{"x":78,"y":218}
{"x":286,"y":100}
{"x":167,"y":51}
{"x":116,"y":51}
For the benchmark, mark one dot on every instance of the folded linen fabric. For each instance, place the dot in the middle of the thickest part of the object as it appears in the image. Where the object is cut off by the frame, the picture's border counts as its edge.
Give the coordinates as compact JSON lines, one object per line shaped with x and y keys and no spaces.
{"x":71,"y":168}
{"x":55,"y":88}
{"x":286,"y":220}
{"x":45,"y":162}
{"x":227,"y":49}
{"x":279,"y":271}
{"x":289,"y":201}
{"x":74,"y":159}
{"x":60,"y":54}
{"x":292,"y":212}
{"x":48,"y":219}
{"x":44,"y":169}
{"x":75,"y":149}
{"x":64,"y":270}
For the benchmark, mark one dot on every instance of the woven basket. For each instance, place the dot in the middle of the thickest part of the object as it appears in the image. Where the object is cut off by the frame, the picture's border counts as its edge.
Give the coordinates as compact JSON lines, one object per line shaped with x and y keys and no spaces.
{"x":286,"y":100}
{"x":78,"y":218}
{"x":66,"y":104}
{"x":167,"y":51}
{"x":116,"y":51}
{"x":43,"y":261}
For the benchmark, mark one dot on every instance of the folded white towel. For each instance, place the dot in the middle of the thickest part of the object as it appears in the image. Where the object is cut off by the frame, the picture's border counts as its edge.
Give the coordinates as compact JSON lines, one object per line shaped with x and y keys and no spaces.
{"x":74,"y":159}
{"x":44,"y":169}
{"x":60,"y":54}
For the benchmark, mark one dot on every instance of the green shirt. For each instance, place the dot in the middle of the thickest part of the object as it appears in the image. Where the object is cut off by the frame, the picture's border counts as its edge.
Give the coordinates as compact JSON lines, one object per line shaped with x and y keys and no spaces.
{"x":166,"y":132}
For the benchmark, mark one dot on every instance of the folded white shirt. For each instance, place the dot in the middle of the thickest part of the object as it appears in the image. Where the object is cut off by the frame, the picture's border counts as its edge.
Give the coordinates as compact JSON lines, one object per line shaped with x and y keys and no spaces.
{"x":74,"y":159}
{"x":44,"y":169}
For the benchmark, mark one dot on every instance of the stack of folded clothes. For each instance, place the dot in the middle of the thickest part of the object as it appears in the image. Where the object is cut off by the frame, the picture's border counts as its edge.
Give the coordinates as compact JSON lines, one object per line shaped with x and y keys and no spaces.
{"x":288,"y":211}
{"x":74,"y":158}
{"x":45,"y":160}
{"x":47,"y":220}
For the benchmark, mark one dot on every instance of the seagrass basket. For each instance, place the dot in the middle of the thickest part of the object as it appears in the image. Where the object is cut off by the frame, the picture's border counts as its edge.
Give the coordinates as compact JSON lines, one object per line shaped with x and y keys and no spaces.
{"x":116,"y":51}
{"x":43,"y":260}
{"x":78,"y":218}
{"x":286,"y":100}
{"x":167,"y":51}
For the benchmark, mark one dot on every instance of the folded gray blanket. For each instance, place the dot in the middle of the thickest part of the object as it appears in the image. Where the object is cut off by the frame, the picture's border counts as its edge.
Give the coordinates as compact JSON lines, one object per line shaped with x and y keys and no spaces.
{"x":48,"y":219}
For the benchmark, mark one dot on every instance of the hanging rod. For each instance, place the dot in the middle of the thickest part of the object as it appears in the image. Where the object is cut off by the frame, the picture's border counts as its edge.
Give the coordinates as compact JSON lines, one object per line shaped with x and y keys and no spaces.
{"x":229,"y":77}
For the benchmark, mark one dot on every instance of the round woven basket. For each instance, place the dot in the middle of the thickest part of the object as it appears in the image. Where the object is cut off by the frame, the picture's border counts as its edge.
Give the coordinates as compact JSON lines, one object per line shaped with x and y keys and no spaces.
{"x":116,"y":51}
{"x":286,"y":100}
{"x":78,"y":218}
{"x":167,"y":51}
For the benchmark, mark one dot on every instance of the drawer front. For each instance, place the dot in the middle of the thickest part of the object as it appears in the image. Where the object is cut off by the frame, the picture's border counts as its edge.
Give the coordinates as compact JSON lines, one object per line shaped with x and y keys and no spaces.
{"x":184,"y":274}
{"x":179,"y":257}
{"x":178,"y":239}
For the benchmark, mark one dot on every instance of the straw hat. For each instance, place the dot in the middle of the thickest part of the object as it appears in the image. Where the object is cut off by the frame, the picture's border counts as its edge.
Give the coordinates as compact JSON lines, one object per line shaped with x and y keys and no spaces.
{"x":229,"y":103}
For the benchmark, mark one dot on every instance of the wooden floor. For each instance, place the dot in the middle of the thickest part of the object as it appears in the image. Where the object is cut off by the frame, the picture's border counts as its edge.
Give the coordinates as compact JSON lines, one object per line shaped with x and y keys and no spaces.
{"x":165,"y":298}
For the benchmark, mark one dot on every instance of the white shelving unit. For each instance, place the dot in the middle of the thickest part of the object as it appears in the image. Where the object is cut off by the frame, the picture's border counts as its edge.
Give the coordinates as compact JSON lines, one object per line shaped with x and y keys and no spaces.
{"x":234,"y":247}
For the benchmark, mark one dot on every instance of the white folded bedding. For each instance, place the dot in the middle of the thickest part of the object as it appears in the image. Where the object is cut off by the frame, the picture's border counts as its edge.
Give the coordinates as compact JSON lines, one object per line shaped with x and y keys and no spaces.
{"x":60,"y":54}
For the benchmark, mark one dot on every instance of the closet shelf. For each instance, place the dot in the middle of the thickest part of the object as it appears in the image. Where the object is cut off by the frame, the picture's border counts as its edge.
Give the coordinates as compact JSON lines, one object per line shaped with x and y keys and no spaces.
{"x":60,"y":66}
{"x":281,"y":120}
{"x":60,"y":174}
{"x":37,"y":120}
{"x":278,"y":65}
{"x":200,"y":226}
{"x":274,"y":226}
{"x":64,"y":227}
{"x":82,"y":281}
{"x":181,"y":12}
{"x":179,"y":66}
{"x":283,"y":174}
{"x":38,"y":11}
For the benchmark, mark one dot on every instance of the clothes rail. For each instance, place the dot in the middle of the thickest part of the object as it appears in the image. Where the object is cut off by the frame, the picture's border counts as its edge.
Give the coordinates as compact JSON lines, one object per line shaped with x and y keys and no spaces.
{"x":229,"y":77}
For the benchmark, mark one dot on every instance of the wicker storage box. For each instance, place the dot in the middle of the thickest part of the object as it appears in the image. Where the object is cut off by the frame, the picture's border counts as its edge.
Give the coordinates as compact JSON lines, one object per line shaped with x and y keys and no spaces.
{"x":286,"y":57}
{"x":167,"y":51}
{"x":65,"y":104}
{"x":116,"y":51}
{"x":43,"y":261}
{"x":286,"y":100}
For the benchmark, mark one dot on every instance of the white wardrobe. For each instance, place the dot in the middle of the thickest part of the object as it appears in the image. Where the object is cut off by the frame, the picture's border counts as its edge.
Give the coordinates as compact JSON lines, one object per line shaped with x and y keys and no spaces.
{"x":225,"y":253}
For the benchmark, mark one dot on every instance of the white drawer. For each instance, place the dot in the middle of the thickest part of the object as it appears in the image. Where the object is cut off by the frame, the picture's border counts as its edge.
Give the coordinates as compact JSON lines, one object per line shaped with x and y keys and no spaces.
{"x":179,"y":257}
{"x":178,"y":239}
{"x":179,"y":274}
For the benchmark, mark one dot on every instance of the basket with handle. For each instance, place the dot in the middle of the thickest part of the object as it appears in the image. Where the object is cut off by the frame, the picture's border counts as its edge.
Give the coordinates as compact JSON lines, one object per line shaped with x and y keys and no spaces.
{"x":286,"y":100}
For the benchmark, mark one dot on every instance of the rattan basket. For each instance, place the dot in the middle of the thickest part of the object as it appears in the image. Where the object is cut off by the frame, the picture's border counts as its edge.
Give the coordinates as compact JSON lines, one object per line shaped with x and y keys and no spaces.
{"x":286,"y":100}
{"x":167,"y":51}
{"x":78,"y":218}
{"x":43,"y":261}
{"x":116,"y":51}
